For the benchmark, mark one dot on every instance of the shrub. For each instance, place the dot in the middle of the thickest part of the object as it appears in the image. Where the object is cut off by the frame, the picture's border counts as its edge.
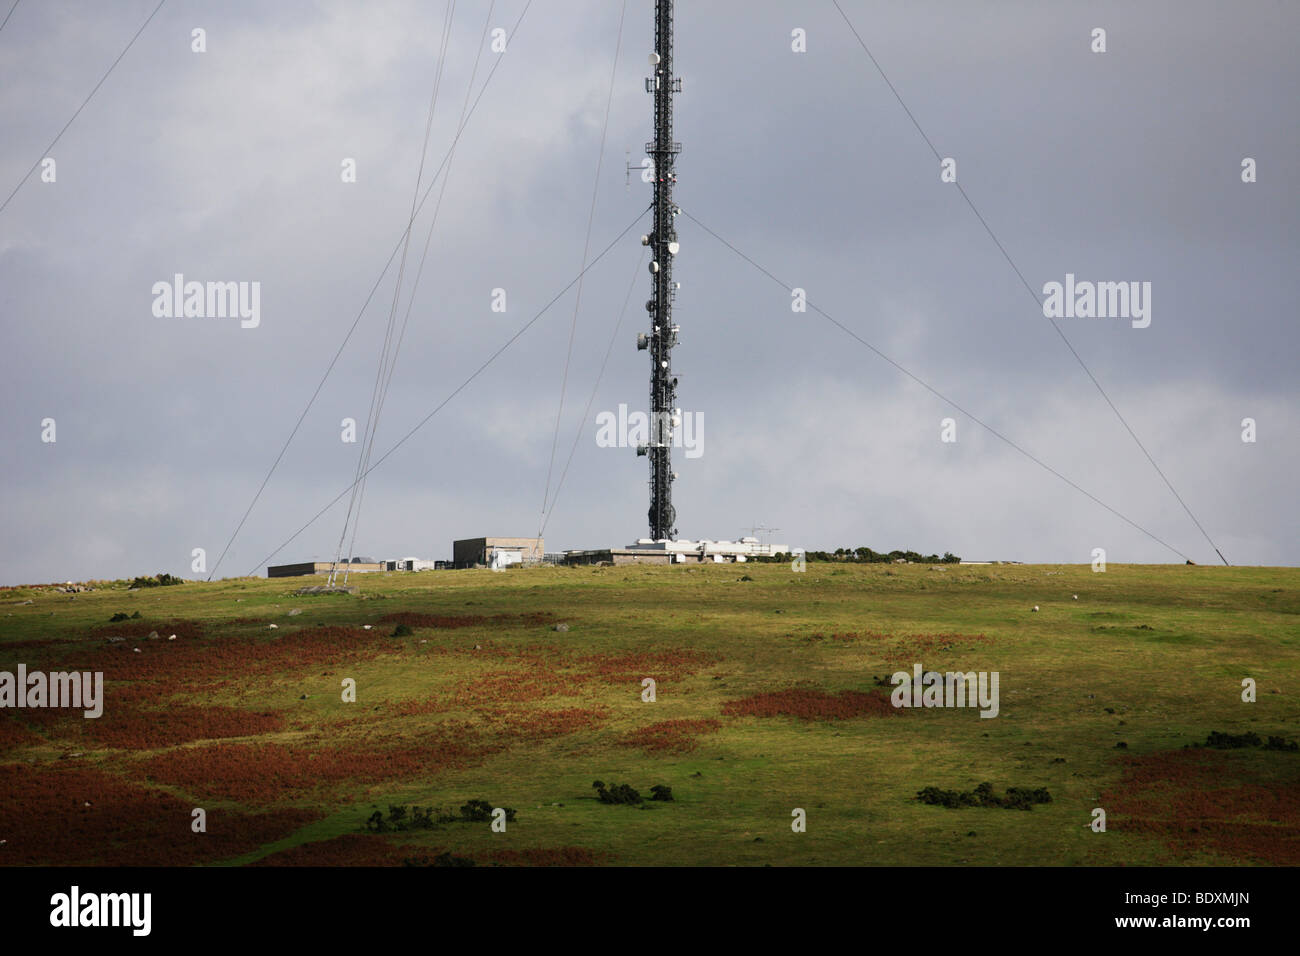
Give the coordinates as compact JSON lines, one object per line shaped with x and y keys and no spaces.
{"x":480,"y":811}
{"x":619,"y":793}
{"x":401,"y":818}
{"x":402,"y":630}
{"x":160,"y":580}
{"x":1023,"y":798}
{"x":661,"y":792}
{"x":868,"y":556}
{"x":946,"y":798}
{"x":1222,"y":741}
{"x":1016,"y":798}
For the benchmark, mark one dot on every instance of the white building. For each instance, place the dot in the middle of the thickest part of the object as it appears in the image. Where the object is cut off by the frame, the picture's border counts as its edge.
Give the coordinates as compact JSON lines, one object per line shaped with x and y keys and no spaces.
{"x":686,"y":551}
{"x":411,"y":564}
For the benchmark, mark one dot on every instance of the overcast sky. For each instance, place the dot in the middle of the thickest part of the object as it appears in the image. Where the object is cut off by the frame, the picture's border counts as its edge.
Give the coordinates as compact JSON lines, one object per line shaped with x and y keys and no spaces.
{"x":227,"y":166}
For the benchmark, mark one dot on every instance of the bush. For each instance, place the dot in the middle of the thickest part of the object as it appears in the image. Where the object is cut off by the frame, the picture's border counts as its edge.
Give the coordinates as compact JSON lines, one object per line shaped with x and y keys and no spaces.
{"x":123,"y":616}
{"x":1022,"y":798}
{"x":861,"y":556}
{"x":660,"y":792}
{"x":865,"y":556}
{"x":402,"y":630}
{"x":160,"y":580}
{"x":480,"y":811}
{"x":1016,"y":798}
{"x":619,"y":793}
{"x":401,"y":818}
{"x":1222,"y":741}
{"x":946,"y":798}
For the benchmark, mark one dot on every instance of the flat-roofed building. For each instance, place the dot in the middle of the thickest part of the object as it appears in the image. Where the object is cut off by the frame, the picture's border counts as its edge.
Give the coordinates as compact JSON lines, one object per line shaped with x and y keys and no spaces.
{"x":305,"y":568}
{"x":685,"y":551}
{"x":496,"y":552}
{"x":648,"y":551}
{"x":414,"y":564}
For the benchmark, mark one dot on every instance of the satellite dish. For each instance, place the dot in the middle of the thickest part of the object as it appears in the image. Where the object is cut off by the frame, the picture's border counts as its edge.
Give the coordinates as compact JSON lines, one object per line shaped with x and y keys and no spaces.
{"x":654,"y":267}
{"x":645,"y":240}
{"x":654,"y":59}
{"x":673,"y":247}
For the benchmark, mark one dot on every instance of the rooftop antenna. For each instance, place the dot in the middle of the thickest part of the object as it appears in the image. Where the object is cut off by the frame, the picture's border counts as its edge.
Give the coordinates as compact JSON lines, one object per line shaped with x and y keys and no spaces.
{"x":759,"y":529}
{"x":664,"y":416}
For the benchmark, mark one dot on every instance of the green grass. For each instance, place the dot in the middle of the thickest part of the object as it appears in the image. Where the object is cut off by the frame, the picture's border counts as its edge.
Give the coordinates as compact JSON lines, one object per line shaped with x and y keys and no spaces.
{"x":1150,"y":656}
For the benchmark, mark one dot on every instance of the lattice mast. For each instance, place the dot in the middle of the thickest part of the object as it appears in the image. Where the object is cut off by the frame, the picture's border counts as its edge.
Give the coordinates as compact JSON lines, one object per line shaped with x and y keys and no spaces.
{"x":665,"y":417}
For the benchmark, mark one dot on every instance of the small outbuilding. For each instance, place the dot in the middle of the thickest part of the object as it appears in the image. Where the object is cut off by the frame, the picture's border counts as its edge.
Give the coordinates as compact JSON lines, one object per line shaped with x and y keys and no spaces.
{"x":496,"y":552}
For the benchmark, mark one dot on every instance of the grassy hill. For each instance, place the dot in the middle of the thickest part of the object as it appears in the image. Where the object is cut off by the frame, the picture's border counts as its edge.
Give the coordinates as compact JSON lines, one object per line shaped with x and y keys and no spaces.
{"x":771,"y":694}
